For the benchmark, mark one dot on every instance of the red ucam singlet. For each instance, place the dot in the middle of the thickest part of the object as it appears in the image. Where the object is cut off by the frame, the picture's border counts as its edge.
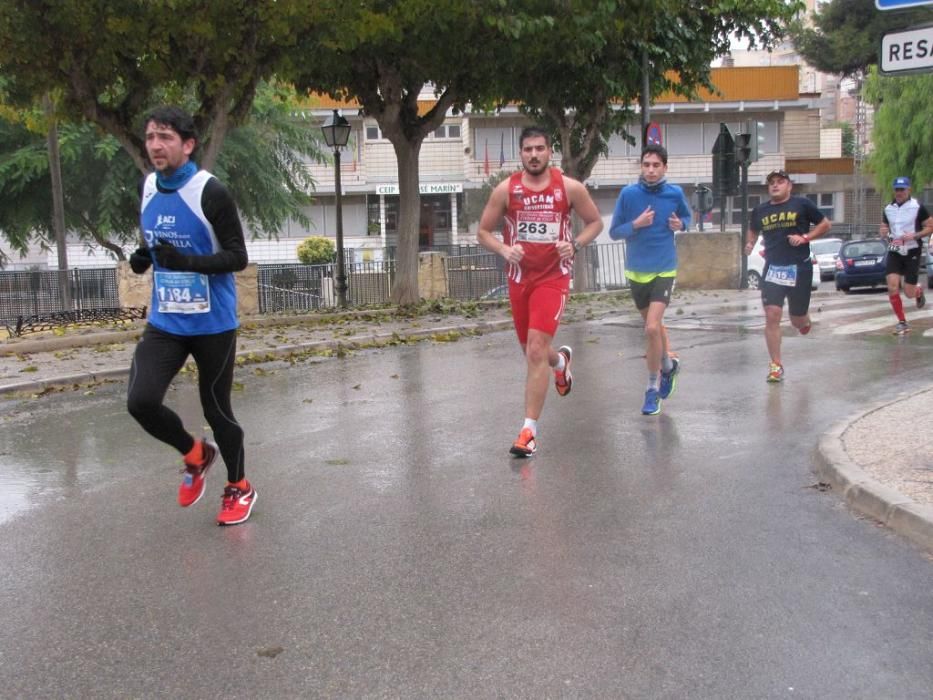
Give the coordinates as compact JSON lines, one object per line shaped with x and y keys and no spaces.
{"x":538,"y":220}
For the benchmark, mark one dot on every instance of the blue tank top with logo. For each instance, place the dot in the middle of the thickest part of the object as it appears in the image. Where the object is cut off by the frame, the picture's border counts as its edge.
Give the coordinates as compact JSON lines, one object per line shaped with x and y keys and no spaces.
{"x":186,"y":303}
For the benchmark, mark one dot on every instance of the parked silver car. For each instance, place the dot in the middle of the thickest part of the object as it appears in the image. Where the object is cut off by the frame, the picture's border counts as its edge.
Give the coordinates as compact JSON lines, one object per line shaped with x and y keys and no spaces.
{"x":826,"y":251}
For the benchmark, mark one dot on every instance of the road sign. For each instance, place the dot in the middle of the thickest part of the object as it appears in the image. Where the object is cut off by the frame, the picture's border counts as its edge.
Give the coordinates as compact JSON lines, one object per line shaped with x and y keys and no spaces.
{"x":900,"y":4}
{"x":653,"y":133}
{"x":908,"y":51}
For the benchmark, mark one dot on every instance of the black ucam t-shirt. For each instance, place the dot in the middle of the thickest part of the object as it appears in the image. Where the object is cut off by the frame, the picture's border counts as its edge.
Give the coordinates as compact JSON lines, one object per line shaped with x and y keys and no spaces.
{"x":778,"y":221}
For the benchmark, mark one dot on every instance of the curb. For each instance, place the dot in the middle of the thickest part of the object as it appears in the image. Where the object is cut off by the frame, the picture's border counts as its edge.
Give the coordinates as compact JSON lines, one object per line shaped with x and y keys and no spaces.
{"x":26,"y":347}
{"x":867,"y":495}
{"x":281,"y":351}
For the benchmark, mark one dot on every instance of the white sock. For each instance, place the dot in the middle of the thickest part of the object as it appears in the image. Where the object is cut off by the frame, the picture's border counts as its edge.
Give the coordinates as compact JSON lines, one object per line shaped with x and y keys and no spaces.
{"x":532,"y":425}
{"x":653,"y":381}
{"x":667,"y":364}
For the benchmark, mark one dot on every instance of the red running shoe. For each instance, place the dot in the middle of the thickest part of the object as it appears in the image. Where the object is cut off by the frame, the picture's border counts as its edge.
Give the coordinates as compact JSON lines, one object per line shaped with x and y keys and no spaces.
{"x":563,"y":380}
{"x":236,"y":505}
{"x":525,"y":445}
{"x":192,"y":485}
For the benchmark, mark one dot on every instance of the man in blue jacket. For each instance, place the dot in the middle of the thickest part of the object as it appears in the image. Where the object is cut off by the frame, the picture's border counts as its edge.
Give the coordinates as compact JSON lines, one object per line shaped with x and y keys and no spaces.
{"x":646,"y":216}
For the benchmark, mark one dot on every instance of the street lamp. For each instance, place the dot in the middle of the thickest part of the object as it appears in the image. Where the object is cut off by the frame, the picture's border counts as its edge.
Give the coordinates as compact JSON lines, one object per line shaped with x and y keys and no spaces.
{"x":336,"y":134}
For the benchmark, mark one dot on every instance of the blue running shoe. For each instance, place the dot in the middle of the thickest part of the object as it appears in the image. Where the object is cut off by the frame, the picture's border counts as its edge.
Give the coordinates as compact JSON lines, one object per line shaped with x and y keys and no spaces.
{"x":669,"y":380}
{"x":652,"y":405}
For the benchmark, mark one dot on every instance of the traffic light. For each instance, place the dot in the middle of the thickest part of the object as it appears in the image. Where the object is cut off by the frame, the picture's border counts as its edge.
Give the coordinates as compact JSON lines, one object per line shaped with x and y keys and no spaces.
{"x":743,"y":151}
{"x":703,"y":199}
{"x":756,"y":139}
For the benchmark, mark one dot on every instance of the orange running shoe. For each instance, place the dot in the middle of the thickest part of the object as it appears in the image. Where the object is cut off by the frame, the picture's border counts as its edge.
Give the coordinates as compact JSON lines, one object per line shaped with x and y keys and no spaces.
{"x":563,"y":379}
{"x":236,"y":505}
{"x":192,"y":485}
{"x":775,"y":373}
{"x":525,"y":445}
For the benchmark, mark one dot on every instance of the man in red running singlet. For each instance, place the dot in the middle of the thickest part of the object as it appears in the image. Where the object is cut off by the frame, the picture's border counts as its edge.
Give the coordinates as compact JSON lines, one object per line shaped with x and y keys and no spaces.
{"x":533,"y":206}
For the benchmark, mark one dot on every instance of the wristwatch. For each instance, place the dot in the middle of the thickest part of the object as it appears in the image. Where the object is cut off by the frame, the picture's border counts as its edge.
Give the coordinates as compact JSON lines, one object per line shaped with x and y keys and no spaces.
{"x":576,"y":246}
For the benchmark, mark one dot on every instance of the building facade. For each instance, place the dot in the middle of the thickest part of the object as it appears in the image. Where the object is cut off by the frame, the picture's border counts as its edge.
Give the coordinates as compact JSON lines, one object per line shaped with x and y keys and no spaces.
{"x":467,"y":150}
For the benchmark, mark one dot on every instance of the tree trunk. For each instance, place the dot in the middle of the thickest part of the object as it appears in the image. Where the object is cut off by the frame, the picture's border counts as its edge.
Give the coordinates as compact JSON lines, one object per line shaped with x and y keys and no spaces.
{"x":58,"y":207}
{"x":405,"y":288}
{"x":211,"y":149}
{"x":104,"y":242}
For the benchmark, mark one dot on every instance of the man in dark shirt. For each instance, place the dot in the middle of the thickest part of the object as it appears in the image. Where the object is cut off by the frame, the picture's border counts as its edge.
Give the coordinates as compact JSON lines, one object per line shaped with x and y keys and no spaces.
{"x":784,"y":223}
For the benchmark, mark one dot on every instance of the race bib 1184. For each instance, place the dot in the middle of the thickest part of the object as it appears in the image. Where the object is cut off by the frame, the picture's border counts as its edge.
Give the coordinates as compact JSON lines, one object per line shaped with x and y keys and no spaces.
{"x":182,"y":292}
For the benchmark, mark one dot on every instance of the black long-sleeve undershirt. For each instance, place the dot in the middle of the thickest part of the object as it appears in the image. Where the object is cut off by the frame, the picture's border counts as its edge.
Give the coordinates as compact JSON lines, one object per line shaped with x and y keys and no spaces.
{"x":220,"y":210}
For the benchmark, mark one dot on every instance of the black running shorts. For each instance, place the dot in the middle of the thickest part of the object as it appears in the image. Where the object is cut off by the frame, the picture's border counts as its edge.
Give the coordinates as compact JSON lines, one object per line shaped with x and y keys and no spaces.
{"x":658,"y":289}
{"x":907,"y":266}
{"x":798,"y":296}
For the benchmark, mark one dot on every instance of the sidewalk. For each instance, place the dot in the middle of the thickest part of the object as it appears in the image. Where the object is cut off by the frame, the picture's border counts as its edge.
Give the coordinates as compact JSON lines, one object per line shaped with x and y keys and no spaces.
{"x":890,"y":480}
{"x":892,"y":483}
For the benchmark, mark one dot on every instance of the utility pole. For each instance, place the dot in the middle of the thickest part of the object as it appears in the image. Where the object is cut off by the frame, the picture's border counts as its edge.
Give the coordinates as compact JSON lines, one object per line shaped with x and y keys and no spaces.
{"x":859,"y":154}
{"x":747,"y":150}
{"x":645,"y":97}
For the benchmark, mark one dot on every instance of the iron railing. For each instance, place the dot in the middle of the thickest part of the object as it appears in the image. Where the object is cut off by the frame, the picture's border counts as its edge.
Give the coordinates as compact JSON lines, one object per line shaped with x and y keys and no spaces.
{"x":472,"y":273}
{"x":39,"y":292}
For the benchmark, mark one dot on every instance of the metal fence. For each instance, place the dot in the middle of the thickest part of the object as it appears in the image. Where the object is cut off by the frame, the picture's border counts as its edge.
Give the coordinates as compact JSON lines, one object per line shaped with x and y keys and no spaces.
{"x":476,"y":275}
{"x":292,"y":287}
{"x":472,"y":273}
{"x":38,"y":292}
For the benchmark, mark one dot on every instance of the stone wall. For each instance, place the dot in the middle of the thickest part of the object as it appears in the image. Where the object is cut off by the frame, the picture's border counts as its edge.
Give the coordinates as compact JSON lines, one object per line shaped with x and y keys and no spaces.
{"x":136,"y":290}
{"x":432,"y":275}
{"x":708,"y":260}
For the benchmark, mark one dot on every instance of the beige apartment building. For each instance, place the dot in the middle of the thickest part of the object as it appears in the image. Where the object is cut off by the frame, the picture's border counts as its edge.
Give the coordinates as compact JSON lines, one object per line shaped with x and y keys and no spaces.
{"x":462,"y":154}
{"x":467,"y":149}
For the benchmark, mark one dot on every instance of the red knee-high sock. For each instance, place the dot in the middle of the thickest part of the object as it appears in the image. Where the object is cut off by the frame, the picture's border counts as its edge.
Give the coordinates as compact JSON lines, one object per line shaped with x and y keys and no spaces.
{"x":898,"y":306}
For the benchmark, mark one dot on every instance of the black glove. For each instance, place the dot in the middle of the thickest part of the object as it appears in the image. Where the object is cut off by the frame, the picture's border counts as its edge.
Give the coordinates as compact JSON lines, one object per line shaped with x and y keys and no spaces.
{"x":140,"y":260}
{"x":168,"y":256}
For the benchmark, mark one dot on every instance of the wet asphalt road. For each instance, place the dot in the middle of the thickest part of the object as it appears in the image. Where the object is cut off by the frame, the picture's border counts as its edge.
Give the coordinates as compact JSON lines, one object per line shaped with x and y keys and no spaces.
{"x":396,"y":550}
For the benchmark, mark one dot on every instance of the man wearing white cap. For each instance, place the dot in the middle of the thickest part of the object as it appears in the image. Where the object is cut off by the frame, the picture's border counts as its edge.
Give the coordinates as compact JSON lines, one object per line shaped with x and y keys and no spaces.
{"x":904,"y":223}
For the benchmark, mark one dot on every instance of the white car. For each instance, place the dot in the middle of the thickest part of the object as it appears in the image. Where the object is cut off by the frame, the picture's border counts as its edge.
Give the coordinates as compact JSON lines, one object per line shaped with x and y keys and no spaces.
{"x":756,"y":266}
{"x":827,"y":252}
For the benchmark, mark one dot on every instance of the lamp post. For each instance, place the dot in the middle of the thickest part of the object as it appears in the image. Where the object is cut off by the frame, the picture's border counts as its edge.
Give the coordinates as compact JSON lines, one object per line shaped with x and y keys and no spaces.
{"x":336,"y":134}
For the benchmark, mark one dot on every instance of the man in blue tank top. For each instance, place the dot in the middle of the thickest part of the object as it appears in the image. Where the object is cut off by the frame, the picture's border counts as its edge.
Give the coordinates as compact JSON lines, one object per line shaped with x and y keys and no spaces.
{"x":194,"y":243}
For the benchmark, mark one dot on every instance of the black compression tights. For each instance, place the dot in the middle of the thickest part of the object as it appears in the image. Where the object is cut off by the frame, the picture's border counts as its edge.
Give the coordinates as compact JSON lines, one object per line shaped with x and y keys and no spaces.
{"x":158,"y":358}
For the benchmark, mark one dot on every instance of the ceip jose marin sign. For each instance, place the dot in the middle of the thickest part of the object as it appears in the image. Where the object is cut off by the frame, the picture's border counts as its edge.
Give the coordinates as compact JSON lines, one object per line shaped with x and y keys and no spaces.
{"x":430,"y":188}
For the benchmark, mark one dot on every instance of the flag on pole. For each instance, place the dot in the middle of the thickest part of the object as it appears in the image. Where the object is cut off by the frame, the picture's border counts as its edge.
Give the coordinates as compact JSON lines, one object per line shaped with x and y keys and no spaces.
{"x":486,"y":158}
{"x":501,"y":150}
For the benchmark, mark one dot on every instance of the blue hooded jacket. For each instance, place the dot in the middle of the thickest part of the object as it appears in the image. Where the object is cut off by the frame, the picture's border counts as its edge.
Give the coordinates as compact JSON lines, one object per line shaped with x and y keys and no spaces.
{"x":650,"y":251}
